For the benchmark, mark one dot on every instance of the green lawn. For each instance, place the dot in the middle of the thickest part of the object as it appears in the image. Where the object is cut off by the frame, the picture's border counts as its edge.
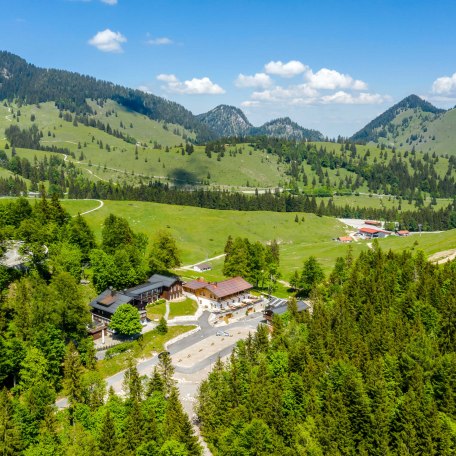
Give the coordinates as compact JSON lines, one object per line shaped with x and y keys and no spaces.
{"x":150,"y":343}
{"x":183,"y":308}
{"x":156,"y":312}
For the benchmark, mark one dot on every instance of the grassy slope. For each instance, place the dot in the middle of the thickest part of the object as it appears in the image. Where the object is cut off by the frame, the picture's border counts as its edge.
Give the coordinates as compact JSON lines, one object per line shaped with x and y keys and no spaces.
{"x":428,"y":125}
{"x":255,"y":168}
{"x":202,"y":233}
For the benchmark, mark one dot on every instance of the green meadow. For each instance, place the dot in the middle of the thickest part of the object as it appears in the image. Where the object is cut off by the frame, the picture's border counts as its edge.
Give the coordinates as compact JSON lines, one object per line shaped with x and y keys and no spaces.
{"x":201,"y":233}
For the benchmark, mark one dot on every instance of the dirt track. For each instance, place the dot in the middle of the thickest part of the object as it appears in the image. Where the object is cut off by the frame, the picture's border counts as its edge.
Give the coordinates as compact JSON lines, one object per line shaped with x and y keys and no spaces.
{"x":443,"y":257}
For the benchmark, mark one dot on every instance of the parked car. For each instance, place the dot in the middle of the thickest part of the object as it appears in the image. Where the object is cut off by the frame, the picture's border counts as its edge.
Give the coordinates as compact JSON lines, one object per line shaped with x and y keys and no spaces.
{"x":223,"y":333}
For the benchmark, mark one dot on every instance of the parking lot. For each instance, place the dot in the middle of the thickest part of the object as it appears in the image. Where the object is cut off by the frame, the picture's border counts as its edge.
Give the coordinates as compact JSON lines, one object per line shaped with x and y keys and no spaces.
{"x":205,"y":348}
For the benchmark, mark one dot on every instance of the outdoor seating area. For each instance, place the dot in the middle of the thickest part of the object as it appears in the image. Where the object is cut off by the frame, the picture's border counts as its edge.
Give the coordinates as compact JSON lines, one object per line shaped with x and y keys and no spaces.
{"x":235,"y":303}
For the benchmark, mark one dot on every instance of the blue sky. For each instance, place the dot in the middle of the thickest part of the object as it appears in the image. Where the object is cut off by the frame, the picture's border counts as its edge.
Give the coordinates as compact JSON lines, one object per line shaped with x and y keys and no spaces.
{"x":329,"y":65}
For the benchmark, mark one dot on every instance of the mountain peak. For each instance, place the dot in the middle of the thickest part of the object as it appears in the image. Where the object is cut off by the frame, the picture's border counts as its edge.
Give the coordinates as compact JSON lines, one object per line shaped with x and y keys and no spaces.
{"x":226,"y":120}
{"x":377,"y":127}
{"x":284,"y":127}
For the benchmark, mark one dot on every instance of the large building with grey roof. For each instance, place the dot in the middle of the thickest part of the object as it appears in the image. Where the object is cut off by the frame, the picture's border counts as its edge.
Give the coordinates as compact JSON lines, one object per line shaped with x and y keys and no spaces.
{"x":158,"y":286}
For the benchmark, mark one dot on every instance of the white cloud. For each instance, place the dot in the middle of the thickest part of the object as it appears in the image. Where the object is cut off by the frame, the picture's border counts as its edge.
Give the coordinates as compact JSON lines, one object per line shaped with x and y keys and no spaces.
{"x":195,"y":86}
{"x":323,"y":87}
{"x":332,"y":79}
{"x":144,"y":89}
{"x":342,"y":97}
{"x":257,"y":80}
{"x":167,"y":78}
{"x":250,"y":104}
{"x":285,"y":70}
{"x":160,"y":41}
{"x":445,"y":85}
{"x":108,"y":41}
{"x":109,"y":2}
{"x":279,"y":93}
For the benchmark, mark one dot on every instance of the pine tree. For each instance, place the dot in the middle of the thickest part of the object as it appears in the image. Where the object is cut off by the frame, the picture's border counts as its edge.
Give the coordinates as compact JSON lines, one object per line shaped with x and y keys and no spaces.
{"x":155,"y":384}
{"x":132,"y":384}
{"x":72,"y":371}
{"x":107,"y":440}
{"x":166,"y":370}
{"x":177,"y":424}
{"x":10,"y":441}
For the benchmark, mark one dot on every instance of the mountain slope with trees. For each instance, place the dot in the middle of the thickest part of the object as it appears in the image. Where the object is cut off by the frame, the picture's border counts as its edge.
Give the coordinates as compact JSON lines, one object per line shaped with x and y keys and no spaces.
{"x":229,"y":121}
{"x":285,"y":128}
{"x":412,"y":124}
{"x":29,"y":84}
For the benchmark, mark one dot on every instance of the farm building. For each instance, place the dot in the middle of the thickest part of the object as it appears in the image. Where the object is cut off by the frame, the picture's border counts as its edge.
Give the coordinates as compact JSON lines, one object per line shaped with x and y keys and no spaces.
{"x":219,"y":294}
{"x":202,"y":267}
{"x":370,"y":233}
{"x":403,"y":233}
{"x":158,"y":286}
{"x":345,"y":239}
{"x":373,"y":223}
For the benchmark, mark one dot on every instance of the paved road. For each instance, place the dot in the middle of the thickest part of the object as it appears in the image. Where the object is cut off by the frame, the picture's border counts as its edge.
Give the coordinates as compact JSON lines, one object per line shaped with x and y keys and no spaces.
{"x":145,"y":367}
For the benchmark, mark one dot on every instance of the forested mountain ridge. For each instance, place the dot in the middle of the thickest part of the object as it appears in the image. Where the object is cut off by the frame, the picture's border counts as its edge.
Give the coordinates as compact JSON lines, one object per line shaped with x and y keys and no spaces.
{"x":229,"y":121}
{"x":413,"y":123}
{"x":30,"y":84}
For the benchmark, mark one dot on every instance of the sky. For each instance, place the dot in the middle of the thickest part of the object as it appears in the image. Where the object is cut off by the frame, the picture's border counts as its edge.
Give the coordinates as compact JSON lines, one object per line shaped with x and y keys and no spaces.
{"x":328,"y":65}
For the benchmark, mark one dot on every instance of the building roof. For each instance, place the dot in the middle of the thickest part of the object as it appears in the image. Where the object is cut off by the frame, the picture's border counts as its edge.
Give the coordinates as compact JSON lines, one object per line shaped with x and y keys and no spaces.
{"x":166,"y":281}
{"x":345,"y":238}
{"x":221,"y":289}
{"x":110,"y":300}
{"x":203,"y":266}
{"x":370,"y":230}
{"x":402,"y":232}
{"x":372,"y":222}
{"x":302,"y":305}
{"x":196,"y":284}
{"x":229,"y":287}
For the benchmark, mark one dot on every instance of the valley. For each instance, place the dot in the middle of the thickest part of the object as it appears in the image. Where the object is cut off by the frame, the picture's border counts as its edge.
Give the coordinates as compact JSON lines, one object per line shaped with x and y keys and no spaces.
{"x":200,"y":284}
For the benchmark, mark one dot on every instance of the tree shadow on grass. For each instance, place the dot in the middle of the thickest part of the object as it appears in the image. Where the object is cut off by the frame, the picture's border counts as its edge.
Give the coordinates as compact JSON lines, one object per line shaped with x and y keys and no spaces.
{"x":181,"y":176}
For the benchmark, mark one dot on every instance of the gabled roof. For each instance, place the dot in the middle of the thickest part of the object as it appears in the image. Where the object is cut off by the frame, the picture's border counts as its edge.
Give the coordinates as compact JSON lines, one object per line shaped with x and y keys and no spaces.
{"x":166,"y":281}
{"x":203,"y":266}
{"x":229,"y":287}
{"x":196,"y":284}
{"x":345,"y":238}
{"x":221,"y":289}
{"x":110,"y":300}
{"x":372,"y":230}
